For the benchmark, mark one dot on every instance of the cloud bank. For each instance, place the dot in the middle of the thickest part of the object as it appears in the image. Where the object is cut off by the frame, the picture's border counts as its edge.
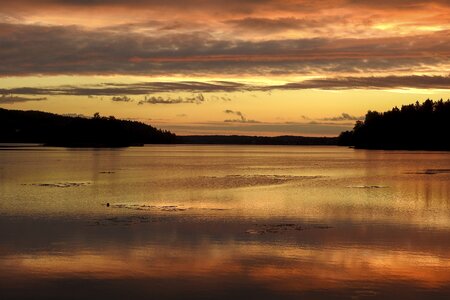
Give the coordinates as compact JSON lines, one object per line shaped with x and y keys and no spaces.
{"x":147,"y":88}
{"x":75,"y":50}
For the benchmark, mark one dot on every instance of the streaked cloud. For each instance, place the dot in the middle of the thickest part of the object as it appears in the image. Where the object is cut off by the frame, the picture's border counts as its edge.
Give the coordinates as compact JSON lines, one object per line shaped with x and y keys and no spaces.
{"x":141,"y":88}
{"x":121,"y":99}
{"x":76,"y":50}
{"x":241,"y":118}
{"x":199,"y":87}
{"x":344,"y":117}
{"x":196,"y":99}
{"x":268,"y":25}
{"x":11,"y":99}
{"x":386,"y":82}
{"x":292,"y":56}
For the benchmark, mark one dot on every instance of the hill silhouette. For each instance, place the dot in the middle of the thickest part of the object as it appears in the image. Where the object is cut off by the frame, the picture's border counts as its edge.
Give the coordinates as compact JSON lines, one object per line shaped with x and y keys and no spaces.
{"x":67,"y":131}
{"x":56,"y":130}
{"x":412,"y":127}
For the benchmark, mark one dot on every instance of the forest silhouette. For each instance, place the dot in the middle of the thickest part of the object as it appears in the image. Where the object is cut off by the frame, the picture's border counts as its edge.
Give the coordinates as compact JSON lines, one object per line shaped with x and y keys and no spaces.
{"x":97,"y":131}
{"x":412,"y":127}
{"x":57,"y":130}
{"x":419,"y":126}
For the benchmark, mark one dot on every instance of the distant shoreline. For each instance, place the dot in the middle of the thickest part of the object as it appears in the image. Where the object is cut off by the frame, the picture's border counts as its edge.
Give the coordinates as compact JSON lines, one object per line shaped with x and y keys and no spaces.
{"x":198,"y":140}
{"x":415,"y":127}
{"x":49,"y":129}
{"x":256,"y":140}
{"x":31,"y":146}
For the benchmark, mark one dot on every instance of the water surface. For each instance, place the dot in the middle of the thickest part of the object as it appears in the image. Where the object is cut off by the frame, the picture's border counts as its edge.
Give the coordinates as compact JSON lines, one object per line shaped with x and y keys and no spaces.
{"x":214,"y":222}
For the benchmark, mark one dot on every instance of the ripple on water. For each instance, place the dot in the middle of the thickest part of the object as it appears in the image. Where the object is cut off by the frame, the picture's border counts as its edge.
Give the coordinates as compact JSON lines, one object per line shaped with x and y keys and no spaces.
{"x":235,"y":181}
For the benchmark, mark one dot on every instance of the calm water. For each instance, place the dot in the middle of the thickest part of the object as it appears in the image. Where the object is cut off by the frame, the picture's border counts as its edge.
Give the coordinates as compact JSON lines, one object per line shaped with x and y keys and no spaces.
{"x":224,"y":222}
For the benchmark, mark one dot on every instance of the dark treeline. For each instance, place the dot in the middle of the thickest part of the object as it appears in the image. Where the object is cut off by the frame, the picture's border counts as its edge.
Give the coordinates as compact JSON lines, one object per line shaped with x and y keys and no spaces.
{"x":256,"y":140}
{"x":51,"y":129}
{"x":412,"y":127}
{"x":56,"y":130}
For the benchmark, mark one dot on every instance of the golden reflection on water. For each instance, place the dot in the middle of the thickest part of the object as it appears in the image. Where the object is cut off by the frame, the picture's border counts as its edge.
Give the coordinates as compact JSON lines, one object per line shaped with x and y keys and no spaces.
{"x":280,"y":267}
{"x":262,"y":222}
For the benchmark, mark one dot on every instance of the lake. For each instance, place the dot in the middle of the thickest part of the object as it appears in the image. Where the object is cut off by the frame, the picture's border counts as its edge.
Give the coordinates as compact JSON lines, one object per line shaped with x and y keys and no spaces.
{"x":224,"y":222}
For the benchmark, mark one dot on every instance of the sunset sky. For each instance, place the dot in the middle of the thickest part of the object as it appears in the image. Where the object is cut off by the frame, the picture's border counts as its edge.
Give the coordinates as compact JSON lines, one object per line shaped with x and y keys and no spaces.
{"x":257,"y":67}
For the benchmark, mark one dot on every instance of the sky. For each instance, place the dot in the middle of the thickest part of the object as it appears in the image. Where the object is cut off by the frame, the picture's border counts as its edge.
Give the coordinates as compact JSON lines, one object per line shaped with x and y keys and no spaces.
{"x":253,"y":67}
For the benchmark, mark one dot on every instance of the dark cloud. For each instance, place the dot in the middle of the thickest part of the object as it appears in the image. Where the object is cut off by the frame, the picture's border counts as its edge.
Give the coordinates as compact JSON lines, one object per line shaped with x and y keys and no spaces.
{"x":161,"y":100}
{"x":34,"y":49}
{"x":323,"y":121}
{"x":139,"y":4}
{"x":114,"y":89}
{"x":145,"y":88}
{"x":274,"y":25}
{"x":11,"y":99}
{"x":241,"y":119}
{"x":121,"y":99}
{"x":226,"y":6}
{"x":197,"y":99}
{"x":344,"y":117}
{"x":387,"y":82}
{"x":396,"y":4}
{"x":222,"y":98}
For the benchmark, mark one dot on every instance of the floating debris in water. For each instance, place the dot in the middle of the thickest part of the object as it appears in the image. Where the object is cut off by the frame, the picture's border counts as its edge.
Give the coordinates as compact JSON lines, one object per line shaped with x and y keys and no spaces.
{"x":282,"y":228}
{"x":168,"y":208}
{"x":432,"y":172}
{"x":322,"y":227}
{"x":107,"y":172}
{"x":367,"y":187}
{"x":171,"y":208}
{"x":274,"y":228}
{"x":122,"y":221}
{"x":60,"y":184}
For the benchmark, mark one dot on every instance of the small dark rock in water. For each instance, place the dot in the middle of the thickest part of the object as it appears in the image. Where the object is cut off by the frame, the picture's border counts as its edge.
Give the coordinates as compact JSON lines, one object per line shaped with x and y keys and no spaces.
{"x":107,"y":204}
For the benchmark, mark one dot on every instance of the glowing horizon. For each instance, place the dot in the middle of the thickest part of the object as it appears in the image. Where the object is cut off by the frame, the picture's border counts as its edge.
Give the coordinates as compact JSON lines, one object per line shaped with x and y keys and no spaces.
{"x":272,"y":67}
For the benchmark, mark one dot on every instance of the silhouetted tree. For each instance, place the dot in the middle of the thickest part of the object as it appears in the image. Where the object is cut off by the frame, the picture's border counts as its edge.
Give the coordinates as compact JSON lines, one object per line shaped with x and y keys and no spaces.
{"x":415,"y":126}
